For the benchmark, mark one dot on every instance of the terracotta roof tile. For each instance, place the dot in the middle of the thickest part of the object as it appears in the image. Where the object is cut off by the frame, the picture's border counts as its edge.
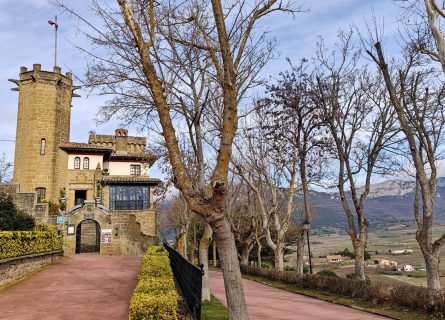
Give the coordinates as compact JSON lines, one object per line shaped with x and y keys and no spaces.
{"x":130,"y":179}
{"x":84,"y":146}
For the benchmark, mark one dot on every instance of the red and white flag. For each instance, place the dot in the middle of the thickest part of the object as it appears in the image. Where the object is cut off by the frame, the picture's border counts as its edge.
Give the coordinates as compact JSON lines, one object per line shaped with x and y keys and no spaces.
{"x":53,"y":24}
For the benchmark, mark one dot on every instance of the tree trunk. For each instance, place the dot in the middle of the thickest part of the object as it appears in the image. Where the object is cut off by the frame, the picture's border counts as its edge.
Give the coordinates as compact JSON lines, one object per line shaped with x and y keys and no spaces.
{"x":214,"y":253}
{"x":258,"y":254}
{"x":279,"y":257}
{"x":204,"y":260}
{"x":300,"y":254}
{"x":432,"y":269}
{"x":181,"y":243}
{"x":228,"y":256}
{"x":432,"y":261}
{"x":245,"y":251}
{"x":359,"y":251}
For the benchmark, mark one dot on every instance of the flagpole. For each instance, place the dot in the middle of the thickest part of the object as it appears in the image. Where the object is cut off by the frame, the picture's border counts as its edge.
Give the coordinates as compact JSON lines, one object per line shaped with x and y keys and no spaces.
{"x":55,"y":43}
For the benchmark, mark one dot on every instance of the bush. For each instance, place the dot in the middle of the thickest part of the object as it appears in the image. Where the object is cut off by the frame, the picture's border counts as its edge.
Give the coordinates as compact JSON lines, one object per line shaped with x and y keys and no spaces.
{"x":417,"y":274}
{"x":155,"y":295}
{"x":23,"y":221}
{"x":402,"y":296}
{"x":288,"y":268}
{"x":20,"y":243}
{"x":353,"y":275}
{"x":45,"y":227}
{"x":12,"y":219}
{"x":266,"y":265}
{"x":327,"y":273}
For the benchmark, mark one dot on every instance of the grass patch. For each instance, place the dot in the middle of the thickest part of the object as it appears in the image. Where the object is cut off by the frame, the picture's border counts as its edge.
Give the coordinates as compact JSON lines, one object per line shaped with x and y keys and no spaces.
{"x":410,"y":280}
{"x":384,"y":234}
{"x":356,"y":303}
{"x":213,"y":310}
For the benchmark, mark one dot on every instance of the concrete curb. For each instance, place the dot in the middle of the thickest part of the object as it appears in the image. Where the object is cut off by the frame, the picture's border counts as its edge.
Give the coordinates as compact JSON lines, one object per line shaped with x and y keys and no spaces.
{"x":58,"y":252}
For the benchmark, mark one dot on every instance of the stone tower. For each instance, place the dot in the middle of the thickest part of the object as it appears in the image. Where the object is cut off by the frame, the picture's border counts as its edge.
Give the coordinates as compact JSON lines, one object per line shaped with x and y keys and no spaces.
{"x":43,"y":122}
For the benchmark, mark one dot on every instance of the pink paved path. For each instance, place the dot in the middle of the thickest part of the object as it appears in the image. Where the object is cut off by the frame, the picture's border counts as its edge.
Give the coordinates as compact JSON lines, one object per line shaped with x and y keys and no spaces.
{"x":76,"y":288}
{"x":266,"y":302}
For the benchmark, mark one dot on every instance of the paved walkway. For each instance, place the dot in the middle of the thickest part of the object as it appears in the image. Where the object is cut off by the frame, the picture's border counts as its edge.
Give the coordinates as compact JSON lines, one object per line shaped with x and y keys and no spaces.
{"x":266,"y":302}
{"x":75,"y":287}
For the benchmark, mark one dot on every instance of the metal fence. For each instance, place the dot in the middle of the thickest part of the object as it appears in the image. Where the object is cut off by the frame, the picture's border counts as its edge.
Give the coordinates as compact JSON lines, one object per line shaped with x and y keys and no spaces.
{"x":189,"y":278}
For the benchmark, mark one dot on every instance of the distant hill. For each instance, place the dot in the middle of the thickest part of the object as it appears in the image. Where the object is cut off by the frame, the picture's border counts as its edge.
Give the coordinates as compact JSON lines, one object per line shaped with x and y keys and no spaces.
{"x":388,"y":202}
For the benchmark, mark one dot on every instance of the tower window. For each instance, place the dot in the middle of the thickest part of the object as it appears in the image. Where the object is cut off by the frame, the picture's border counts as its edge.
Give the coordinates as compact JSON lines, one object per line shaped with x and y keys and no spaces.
{"x":42,"y":146}
{"x":76,"y":163}
{"x":41,"y":194}
{"x":86,"y":163}
{"x":135,"y":170}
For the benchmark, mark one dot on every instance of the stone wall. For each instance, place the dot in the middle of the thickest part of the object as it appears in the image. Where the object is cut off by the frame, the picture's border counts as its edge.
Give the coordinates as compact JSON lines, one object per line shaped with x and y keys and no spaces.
{"x":80,"y":180}
{"x":13,"y":269}
{"x":25,"y":201}
{"x":138,"y":241}
{"x":128,"y":237}
{"x":44,"y":110}
{"x":131,"y":144}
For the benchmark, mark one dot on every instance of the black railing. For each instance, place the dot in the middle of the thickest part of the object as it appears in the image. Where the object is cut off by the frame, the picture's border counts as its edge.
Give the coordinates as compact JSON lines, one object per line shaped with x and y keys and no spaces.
{"x":189,"y":278}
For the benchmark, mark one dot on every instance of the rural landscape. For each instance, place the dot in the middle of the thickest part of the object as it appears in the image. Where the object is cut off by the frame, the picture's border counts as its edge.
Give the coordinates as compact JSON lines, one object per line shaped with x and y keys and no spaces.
{"x":219,"y":159}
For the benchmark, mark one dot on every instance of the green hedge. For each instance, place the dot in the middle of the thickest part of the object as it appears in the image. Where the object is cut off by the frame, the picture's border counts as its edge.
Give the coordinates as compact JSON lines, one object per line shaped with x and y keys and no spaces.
{"x":399,"y":296}
{"x":155,"y":295}
{"x":20,"y":243}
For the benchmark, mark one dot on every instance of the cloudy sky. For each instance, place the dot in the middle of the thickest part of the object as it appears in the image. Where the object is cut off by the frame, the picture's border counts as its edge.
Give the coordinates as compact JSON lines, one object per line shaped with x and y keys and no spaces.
{"x":26,"y":38}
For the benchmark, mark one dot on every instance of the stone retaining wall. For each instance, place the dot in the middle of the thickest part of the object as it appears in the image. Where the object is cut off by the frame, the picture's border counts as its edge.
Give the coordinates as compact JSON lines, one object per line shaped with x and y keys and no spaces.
{"x":12,"y":269}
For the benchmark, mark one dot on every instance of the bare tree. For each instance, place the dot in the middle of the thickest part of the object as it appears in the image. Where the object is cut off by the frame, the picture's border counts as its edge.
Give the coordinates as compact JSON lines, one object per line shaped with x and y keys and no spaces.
{"x":297,"y":123}
{"x":178,"y":219}
{"x":435,"y":19}
{"x":270,"y":170}
{"x":243,"y":217}
{"x":5,"y":169}
{"x":416,"y":94}
{"x":134,"y":67}
{"x":361,"y":124}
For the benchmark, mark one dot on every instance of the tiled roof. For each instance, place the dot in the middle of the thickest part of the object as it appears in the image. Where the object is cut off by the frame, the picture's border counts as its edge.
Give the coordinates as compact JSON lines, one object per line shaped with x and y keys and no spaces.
{"x":131,"y":155}
{"x":150,"y":158}
{"x":83,"y":146}
{"x":130,"y":179}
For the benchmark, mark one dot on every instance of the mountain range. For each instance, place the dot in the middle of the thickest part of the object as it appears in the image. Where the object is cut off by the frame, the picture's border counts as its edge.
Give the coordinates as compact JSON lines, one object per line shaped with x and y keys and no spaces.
{"x":388,"y":202}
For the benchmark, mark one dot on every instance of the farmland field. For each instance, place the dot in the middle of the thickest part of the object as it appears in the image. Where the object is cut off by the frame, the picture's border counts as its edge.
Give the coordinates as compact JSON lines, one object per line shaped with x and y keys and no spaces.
{"x":380,"y":245}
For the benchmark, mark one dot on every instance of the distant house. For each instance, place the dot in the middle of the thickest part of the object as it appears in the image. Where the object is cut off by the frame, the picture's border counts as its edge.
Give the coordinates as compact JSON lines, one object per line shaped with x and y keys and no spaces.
{"x":402,"y":251}
{"x":335,"y":258}
{"x":385,"y":263}
{"x":405,"y":267}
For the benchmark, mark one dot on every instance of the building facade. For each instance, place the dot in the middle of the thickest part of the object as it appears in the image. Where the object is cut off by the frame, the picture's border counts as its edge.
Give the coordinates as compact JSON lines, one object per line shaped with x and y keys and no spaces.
{"x":99,"y":193}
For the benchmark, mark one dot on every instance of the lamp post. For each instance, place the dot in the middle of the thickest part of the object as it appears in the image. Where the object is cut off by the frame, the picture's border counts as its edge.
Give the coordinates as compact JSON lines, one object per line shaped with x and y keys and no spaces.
{"x":307,"y":227}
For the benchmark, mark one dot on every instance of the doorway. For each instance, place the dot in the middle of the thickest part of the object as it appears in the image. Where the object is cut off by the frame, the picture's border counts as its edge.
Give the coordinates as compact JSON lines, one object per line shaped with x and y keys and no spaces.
{"x":80,"y":196}
{"x":88,"y":237}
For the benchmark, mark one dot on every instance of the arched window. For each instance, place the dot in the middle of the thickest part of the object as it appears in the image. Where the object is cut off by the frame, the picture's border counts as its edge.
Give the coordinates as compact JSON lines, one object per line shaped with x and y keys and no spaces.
{"x":86,"y":163}
{"x":76,"y":163}
{"x":42,"y":146}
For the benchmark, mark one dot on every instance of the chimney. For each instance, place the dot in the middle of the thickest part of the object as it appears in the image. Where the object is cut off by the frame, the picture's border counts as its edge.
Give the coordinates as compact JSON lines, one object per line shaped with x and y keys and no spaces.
{"x":121,"y":139}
